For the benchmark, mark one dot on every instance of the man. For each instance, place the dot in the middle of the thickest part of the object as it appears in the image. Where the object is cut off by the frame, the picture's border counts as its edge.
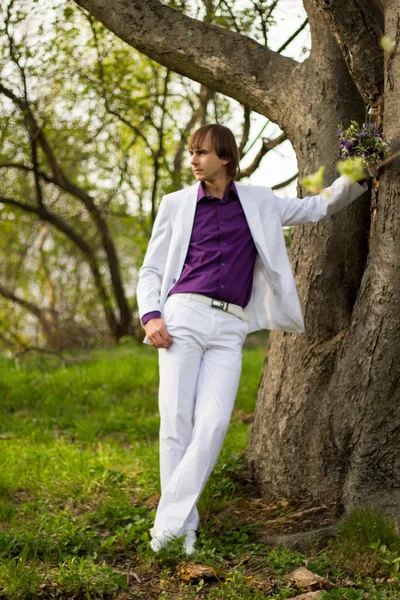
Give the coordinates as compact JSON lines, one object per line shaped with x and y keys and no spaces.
{"x":216,"y":269}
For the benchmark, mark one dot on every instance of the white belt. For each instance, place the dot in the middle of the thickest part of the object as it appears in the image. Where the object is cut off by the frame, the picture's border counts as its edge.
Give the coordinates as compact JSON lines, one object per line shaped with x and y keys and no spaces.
{"x":233,"y":309}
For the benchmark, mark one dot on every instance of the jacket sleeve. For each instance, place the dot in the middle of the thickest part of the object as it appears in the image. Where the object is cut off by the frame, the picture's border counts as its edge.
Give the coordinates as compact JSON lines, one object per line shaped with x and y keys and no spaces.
{"x":152,"y":271}
{"x":296,"y":211}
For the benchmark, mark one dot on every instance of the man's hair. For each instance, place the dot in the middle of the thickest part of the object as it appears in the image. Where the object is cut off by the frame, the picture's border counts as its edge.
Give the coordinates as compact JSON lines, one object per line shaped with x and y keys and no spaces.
{"x":222,"y":142}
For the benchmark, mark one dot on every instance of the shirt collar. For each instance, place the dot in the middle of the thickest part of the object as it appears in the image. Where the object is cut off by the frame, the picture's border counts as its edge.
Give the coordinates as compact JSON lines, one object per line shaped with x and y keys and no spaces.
{"x":231,"y":191}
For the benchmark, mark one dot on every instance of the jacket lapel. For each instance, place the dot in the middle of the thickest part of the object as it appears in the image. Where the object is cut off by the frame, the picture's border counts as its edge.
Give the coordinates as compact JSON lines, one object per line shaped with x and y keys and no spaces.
{"x":187,"y":211}
{"x":253,"y":218}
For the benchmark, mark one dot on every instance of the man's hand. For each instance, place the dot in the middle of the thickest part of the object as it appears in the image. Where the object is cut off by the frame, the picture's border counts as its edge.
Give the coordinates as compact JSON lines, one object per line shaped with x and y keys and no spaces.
{"x":157,"y":334}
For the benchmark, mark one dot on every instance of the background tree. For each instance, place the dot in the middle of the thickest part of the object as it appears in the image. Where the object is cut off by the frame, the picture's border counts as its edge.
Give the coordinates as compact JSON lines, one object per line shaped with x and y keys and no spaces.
{"x":93,"y":133}
{"x":326,"y":425}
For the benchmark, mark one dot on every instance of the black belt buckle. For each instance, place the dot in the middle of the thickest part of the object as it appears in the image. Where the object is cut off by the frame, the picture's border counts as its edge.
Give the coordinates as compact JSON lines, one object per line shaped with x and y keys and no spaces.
{"x":219,"y":304}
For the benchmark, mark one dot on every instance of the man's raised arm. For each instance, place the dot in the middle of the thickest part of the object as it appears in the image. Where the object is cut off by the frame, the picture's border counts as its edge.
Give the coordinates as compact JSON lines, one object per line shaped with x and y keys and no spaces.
{"x":297,"y":211}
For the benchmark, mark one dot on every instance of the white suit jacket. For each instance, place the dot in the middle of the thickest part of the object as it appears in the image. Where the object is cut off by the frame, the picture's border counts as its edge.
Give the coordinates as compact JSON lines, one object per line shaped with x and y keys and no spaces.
{"x":274,"y":302}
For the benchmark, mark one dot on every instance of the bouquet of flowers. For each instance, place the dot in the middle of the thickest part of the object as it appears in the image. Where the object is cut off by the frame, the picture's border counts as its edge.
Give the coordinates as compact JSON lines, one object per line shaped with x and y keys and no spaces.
{"x":365,"y":142}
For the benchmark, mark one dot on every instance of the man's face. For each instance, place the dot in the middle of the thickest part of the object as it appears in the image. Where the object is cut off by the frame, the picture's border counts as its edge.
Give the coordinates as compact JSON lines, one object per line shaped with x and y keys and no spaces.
{"x":206,"y":165}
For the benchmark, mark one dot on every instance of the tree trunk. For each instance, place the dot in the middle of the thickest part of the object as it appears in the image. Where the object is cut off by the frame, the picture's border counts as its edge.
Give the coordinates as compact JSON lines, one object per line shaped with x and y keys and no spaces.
{"x":327,"y":423}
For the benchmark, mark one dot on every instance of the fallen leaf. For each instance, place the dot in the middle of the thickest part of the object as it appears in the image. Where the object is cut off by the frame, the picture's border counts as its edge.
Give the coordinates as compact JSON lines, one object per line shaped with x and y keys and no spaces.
{"x":305,"y":579}
{"x":193,"y":572}
{"x":307,"y":596}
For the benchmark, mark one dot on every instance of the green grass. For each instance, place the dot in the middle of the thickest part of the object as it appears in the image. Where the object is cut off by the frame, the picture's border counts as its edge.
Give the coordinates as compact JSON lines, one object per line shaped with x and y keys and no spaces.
{"x":79,"y":484}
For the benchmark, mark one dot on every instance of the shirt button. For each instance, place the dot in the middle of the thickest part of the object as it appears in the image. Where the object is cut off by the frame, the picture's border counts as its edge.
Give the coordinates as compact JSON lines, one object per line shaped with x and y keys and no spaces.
{"x":222,"y":222}
{"x":222,"y":287}
{"x":223,"y":243}
{"x":223,"y":264}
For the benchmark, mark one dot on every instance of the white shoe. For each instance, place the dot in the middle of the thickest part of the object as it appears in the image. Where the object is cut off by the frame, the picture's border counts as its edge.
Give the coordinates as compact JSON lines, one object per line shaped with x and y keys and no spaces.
{"x":189,"y":541}
{"x":160,"y":539}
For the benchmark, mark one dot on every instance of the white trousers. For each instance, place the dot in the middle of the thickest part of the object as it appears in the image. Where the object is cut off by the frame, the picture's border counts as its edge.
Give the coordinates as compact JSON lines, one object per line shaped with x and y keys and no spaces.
{"x":199,"y":378}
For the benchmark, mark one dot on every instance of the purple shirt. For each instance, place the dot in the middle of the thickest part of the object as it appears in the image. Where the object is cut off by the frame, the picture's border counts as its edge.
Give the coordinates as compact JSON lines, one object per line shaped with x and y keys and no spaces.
{"x":221,"y":254}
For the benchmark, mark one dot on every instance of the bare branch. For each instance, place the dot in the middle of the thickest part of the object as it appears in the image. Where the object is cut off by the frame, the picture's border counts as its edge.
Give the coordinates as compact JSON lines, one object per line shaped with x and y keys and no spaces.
{"x":283,"y":184}
{"x":293,"y":36}
{"x":245,"y":130}
{"x":29,"y":306}
{"x":266,"y":147}
{"x":231,"y":14}
{"x":160,"y":150}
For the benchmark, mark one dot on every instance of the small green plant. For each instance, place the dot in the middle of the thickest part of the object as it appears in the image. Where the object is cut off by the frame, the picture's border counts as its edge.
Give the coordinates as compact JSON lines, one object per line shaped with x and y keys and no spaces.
{"x":352,"y":594}
{"x":283,"y":559}
{"x":6,"y":510}
{"x":18,"y":580}
{"x":236,"y":586}
{"x":82,"y":576}
{"x":365,"y":526}
{"x":389,"y":558}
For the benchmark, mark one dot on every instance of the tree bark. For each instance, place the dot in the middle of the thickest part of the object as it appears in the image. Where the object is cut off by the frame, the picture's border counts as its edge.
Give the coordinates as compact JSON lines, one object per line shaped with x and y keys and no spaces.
{"x":327,"y":419}
{"x":357,"y":28}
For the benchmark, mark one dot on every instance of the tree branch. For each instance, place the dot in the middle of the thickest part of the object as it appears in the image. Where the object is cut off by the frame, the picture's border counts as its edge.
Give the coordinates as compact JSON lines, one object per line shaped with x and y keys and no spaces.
{"x":223,"y":60}
{"x":160,"y":150}
{"x":29,"y":306}
{"x":245,"y":129}
{"x":266,"y":147}
{"x":283,"y":184}
{"x":43,"y":213}
{"x":293,"y":36}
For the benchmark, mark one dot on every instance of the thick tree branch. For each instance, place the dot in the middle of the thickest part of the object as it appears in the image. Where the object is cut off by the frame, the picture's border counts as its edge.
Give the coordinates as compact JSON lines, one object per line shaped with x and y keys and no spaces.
{"x":223,"y":60}
{"x":356,"y":28}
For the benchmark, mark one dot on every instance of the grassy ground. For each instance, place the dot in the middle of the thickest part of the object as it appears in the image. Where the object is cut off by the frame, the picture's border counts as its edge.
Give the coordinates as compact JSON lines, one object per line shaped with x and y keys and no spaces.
{"x":79,"y":485}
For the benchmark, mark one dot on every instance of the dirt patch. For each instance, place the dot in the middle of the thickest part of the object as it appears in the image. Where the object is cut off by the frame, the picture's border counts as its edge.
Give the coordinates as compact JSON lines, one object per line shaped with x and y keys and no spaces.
{"x":280,"y":518}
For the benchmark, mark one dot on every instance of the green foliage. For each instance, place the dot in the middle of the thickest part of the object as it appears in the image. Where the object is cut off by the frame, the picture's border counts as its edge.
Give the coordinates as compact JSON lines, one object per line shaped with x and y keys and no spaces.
{"x":388,"y":44}
{"x":353,"y":168}
{"x":77,"y":508}
{"x":236,"y":586}
{"x":284,"y":559}
{"x":81,"y":499}
{"x":364,"y":526}
{"x":82,"y":576}
{"x":314,"y":182}
{"x":352,"y":594}
{"x":18,"y":580}
{"x":389,"y":557}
